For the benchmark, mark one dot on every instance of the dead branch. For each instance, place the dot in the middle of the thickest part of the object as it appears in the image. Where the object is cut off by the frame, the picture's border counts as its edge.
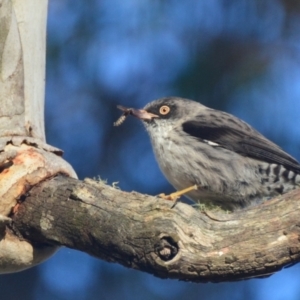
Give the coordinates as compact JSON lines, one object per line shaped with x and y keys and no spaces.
{"x":145,"y":233}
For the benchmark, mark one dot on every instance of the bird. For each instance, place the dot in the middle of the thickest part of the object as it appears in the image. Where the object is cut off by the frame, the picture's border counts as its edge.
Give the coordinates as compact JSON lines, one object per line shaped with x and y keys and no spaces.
{"x":217,"y":159}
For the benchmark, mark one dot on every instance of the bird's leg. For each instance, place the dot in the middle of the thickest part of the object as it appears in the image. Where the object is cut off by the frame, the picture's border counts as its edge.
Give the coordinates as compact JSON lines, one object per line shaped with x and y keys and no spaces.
{"x":175,"y":196}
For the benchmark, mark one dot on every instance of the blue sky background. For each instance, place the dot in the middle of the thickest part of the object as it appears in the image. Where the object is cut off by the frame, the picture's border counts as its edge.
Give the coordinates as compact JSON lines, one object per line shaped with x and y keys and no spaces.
{"x":241,"y":56}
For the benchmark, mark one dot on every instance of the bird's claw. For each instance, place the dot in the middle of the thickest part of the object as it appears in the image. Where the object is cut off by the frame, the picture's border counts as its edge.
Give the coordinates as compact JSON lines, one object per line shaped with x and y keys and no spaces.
{"x":171,"y":197}
{"x":176,"y":195}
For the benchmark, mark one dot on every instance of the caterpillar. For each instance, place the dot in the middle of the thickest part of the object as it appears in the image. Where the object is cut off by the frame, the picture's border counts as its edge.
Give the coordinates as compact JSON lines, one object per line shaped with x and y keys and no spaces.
{"x":126,"y":113}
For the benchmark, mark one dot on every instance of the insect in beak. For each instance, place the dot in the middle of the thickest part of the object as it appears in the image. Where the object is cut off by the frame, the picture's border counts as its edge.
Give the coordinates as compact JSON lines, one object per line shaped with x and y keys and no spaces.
{"x":138,"y":113}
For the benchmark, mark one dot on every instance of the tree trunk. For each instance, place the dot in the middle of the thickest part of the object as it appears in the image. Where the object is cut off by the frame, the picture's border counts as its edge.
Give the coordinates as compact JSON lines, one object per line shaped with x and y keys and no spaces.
{"x":25,"y":158}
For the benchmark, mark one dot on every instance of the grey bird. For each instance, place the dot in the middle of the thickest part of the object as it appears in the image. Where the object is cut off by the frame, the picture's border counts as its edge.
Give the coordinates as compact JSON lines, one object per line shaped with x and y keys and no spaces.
{"x":232,"y":164}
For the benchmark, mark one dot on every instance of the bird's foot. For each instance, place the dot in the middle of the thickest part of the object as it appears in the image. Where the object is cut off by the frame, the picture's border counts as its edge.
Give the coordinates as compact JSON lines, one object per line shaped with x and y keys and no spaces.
{"x":175,"y":196}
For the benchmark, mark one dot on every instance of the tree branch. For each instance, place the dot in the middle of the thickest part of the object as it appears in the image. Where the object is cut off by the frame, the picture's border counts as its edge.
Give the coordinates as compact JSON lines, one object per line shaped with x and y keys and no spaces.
{"x":146,"y":233}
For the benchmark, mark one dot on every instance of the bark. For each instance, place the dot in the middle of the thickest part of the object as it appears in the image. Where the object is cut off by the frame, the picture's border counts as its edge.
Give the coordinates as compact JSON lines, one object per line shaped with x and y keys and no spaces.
{"x":25,"y":158}
{"x":22,"y":67}
{"x":147,"y":233}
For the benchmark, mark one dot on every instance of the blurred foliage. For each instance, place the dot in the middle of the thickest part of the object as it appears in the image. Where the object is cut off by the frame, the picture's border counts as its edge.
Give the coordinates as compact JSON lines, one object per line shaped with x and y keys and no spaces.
{"x":238,"y":62}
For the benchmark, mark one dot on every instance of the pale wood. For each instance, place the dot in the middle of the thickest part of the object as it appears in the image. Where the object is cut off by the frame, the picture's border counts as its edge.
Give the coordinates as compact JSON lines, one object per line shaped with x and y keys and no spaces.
{"x":32,"y":20}
{"x":12,"y":109}
{"x":22,"y":55}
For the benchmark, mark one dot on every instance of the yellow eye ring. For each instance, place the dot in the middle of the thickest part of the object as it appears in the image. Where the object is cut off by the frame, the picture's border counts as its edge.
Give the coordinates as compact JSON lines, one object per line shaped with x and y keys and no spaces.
{"x":164,"y":110}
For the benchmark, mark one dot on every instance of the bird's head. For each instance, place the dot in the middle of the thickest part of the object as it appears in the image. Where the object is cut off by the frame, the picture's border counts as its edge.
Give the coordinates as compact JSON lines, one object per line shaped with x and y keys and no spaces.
{"x":164,"y":114}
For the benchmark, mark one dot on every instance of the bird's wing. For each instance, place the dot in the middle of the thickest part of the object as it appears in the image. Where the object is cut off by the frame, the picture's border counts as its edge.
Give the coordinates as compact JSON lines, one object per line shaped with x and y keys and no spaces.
{"x":235,"y":135}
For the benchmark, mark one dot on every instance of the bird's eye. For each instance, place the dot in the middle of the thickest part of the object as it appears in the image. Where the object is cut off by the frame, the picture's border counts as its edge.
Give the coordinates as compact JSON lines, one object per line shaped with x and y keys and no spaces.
{"x":164,"y":110}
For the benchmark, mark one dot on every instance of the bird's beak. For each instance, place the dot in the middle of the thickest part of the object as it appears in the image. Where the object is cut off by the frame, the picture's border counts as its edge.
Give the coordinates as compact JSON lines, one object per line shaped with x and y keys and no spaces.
{"x":143,"y":114}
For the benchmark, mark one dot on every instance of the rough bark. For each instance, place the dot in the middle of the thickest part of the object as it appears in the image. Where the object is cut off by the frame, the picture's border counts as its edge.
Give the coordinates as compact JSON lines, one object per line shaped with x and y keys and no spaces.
{"x":146,"y":233}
